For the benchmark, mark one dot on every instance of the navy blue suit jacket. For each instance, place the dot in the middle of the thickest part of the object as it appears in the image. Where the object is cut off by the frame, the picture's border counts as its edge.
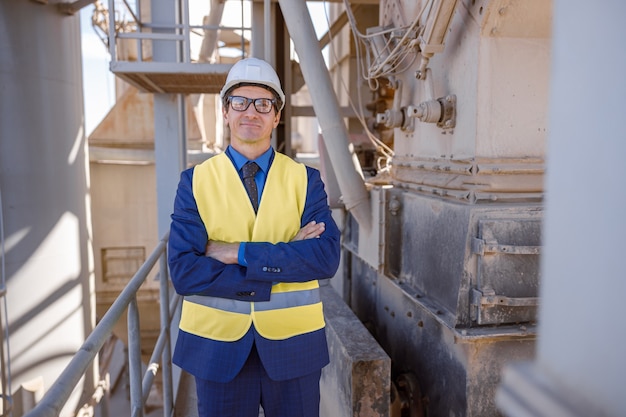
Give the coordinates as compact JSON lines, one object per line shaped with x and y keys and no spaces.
{"x":194,"y":273}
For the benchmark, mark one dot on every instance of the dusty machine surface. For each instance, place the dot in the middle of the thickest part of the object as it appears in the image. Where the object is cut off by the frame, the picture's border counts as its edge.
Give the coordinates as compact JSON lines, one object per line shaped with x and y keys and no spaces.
{"x":447,"y":277}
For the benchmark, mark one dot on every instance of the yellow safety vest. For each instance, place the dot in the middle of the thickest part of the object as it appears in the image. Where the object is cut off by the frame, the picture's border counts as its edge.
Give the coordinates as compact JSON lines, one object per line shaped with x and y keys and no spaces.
{"x":225,"y":209}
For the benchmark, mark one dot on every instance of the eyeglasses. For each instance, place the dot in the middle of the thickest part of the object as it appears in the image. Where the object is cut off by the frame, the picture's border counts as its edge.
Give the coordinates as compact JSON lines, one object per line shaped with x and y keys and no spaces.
{"x":262,"y":105}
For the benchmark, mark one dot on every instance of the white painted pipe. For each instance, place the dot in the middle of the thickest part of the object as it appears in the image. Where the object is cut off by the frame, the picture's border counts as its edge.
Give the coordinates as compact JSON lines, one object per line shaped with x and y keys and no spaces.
{"x":355,"y":195}
{"x":209,"y":41}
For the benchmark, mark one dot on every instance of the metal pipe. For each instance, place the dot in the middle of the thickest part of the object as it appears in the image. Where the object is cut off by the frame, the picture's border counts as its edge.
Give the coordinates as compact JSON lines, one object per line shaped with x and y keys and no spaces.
{"x":166,"y":317}
{"x":162,"y":346}
{"x":140,"y":29}
{"x":355,"y":195}
{"x":267,"y":34}
{"x":243,"y":38}
{"x":112,"y":34}
{"x":209,"y":40}
{"x":134,"y":360}
{"x":186,"y":47}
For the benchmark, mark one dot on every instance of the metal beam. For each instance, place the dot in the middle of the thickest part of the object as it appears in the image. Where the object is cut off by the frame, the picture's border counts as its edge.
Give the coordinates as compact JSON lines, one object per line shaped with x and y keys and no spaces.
{"x":72,"y":8}
{"x":337,"y":25}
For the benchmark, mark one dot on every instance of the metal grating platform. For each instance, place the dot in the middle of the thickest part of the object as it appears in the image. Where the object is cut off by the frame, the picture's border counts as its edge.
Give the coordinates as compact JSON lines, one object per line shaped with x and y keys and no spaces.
{"x":172,"y":78}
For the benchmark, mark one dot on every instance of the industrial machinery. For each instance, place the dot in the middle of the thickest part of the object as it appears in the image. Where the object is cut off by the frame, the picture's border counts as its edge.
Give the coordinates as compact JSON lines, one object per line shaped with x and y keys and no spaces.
{"x":428,"y":119}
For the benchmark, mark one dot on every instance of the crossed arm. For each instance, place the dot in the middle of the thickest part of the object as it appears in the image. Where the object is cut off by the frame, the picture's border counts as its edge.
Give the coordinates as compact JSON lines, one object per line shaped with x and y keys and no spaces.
{"x":198,"y":266}
{"x":227,"y":252}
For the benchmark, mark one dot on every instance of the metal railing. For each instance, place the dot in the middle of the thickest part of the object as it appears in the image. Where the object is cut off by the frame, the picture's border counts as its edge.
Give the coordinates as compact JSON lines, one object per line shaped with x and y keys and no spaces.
{"x":179,"y":33}
{"x":57,"y":396}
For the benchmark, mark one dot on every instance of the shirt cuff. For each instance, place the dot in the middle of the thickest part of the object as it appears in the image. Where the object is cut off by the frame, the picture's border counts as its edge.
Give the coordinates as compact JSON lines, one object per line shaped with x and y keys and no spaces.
{"x":241,"y":259}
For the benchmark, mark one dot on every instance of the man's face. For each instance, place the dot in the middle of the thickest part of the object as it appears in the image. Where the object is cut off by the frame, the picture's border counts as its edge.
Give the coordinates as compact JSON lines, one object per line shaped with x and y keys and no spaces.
{"x":250,"y":126}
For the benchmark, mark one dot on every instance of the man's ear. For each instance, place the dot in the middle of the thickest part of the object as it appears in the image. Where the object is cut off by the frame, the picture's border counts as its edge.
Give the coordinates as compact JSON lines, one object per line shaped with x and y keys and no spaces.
{"x":277,"y":119}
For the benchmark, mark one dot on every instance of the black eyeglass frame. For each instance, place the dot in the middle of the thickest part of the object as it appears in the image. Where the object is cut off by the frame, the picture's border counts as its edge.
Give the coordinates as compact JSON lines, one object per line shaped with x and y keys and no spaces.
{"x":249,"y":101}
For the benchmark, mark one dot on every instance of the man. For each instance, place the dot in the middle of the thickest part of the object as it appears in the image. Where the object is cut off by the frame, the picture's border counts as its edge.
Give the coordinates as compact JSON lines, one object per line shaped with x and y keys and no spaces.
{"x":248,"y":264}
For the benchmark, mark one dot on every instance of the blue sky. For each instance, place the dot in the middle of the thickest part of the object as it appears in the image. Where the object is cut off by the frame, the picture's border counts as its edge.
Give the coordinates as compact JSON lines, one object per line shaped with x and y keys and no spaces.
{"x":98,"y":81}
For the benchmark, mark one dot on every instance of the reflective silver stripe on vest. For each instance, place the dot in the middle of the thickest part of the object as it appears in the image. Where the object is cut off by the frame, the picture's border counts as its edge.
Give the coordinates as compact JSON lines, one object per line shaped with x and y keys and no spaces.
{"x":278,"y":301}
{"x":289,"y":299}
{"x":235,"y":306}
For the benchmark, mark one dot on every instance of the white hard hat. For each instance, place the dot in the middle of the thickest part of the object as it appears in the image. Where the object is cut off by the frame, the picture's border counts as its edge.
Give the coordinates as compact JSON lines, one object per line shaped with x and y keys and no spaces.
{"x":254,"y":71}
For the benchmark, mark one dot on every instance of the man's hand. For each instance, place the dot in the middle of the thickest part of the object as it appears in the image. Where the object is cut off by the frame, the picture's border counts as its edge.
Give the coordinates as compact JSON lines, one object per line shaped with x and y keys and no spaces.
{"x":310,"y":231}
{"x":223,"y":252}
{"x":227,"y":252}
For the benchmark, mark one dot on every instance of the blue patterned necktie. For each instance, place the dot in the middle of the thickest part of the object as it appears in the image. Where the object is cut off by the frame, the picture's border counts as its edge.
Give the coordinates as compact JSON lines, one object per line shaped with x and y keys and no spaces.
{"x":249,"y":171}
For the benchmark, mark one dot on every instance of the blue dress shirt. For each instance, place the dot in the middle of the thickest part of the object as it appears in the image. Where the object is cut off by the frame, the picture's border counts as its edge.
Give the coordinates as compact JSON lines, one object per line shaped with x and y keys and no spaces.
{"x":264,"y":162}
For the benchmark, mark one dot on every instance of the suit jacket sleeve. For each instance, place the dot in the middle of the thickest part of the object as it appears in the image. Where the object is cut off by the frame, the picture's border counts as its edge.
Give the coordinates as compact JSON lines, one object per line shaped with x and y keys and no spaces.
{"x":302,"y":260}
{"x":191,"y":271}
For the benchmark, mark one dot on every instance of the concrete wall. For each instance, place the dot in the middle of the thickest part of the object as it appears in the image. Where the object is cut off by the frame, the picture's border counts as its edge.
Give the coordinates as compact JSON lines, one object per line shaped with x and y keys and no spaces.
{"x":358,"y":379}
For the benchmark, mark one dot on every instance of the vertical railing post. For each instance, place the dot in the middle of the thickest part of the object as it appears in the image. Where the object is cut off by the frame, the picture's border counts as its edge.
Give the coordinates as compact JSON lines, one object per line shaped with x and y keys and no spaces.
{"x":166,"y":375}
{"x":57,"y":395}
{"x":112,"y":34}
{"x":186,"y":32}
{"x":134,"y":360}
{"x":139,"y":22}
{"x":243,"y":39}
{"x":105,"y":404}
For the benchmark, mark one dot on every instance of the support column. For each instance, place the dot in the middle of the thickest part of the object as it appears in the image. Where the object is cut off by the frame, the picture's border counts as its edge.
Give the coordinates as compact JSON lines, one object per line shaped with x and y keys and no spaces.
{"x":170,"y":151}
{"x":170,"y":148}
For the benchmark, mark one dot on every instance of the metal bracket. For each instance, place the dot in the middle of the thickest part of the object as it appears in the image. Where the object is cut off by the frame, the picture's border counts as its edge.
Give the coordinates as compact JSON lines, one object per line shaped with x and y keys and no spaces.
{"x":488,"y":297}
